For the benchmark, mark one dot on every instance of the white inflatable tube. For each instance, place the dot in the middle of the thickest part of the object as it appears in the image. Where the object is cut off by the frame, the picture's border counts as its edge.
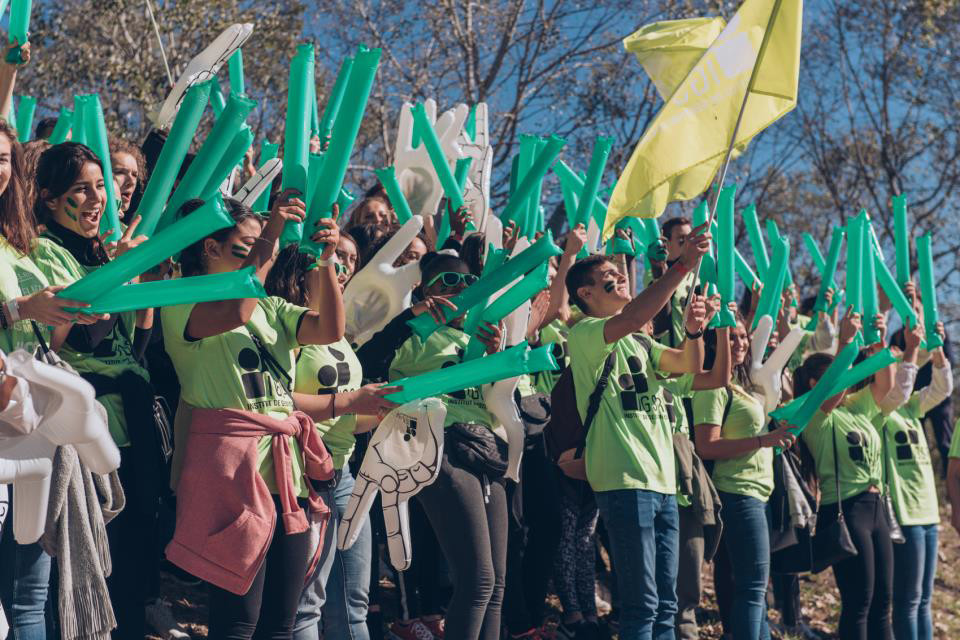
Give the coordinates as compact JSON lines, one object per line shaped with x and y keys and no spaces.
{"x":27,"y":464}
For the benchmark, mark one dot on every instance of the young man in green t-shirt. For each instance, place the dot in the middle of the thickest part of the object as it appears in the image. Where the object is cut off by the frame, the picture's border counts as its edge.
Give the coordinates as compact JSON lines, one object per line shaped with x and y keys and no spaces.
{"x":629,"y":451}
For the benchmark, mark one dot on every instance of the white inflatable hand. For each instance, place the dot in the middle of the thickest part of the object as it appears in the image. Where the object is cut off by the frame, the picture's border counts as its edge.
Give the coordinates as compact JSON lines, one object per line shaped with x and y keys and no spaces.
{"x":769,"y":375}
{"x":203,"y":66}
{"x":499,"y":398}
{"x":415,"y":171}
{"x":492,"y":232}
{"x":70,"y":412}
{"x":477,"y":193}
{"x":260,"y":182}
{"x":403,"y":457}
{"x":27,"y":463}
{"x":380,"y":291}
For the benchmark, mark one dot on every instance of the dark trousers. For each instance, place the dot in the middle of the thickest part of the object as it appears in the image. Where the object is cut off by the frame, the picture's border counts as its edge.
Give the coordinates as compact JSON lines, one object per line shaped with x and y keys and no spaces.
{"x":533,"y":538}
{"x":132,"y":535}
{"x":471,"y":526}
{"x":269,"y":608}
{"x":422,"y":582}
{"x":865,"y":581}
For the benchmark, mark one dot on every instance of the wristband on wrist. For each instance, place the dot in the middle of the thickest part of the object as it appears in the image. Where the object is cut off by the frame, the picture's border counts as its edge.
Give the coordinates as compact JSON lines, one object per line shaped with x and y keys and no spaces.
{"x":693,"y":336}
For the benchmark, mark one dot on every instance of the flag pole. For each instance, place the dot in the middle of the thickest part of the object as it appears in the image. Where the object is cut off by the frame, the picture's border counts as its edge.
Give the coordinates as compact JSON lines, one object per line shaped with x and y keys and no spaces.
{"x":733,"y":138}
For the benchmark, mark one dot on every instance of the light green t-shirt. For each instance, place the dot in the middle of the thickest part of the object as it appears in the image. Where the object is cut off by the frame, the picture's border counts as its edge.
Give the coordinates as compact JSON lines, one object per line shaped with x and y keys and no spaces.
{"x":325,"y":370}
{"x":114,"y":355}
{"x":675,"y":390}
{"x":444,"y":348}
{"x":226,"y":371}
{"x":746,"y":475}
{"x":910,"y":478}
{"x":555,"y":334}
{"x":630,"y":443}
{"x":858,"y":447}
{"x":19,"y":276}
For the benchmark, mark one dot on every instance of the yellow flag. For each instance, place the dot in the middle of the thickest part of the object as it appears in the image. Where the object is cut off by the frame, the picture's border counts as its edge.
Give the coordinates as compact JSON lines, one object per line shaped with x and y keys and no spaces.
{"x":681,"y":150}
{"x":669,"y":49}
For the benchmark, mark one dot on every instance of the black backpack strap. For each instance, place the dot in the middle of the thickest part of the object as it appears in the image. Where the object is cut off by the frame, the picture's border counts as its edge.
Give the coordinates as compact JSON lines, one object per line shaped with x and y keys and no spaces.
{"x":594,"y":403}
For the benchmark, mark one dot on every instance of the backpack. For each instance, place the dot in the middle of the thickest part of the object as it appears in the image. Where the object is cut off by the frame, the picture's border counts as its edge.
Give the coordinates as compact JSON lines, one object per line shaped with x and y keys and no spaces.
{"x":565,"y":435}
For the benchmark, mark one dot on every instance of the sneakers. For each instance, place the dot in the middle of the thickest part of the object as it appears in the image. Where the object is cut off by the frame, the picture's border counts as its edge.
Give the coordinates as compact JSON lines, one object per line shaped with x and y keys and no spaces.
{"x":415,"y":630}
{"x":435,"y":627}
{"x":159,"y":618}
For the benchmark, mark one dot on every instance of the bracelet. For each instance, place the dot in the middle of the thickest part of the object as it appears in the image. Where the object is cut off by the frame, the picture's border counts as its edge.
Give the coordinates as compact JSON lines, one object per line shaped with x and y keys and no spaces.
{"x":333,"y":406}
{"x":694,"y":336}
{"x":759,"y":443}
{"x":13,"y":310}
{"x":684,"y":269}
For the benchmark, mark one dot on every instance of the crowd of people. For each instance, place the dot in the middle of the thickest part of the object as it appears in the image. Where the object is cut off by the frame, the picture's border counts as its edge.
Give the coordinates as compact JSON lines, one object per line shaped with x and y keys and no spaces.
{"x":272,"y":403}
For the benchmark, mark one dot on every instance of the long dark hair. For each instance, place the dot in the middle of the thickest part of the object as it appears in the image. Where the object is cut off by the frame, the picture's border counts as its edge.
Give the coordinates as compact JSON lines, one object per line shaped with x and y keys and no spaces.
{"x":287,"y":278}
{"x":57,"y":170}
{"x":741,"y":372}
{"x":191,"y":258}
{"x":812,"y":369}
{"x":17,"y":222}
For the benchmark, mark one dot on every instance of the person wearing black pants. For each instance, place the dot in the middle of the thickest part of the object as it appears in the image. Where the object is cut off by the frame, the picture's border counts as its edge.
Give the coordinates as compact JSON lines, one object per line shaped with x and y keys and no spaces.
{"x":865,"y":580}
{"x":269,"y":608}
{"x":472,"y":531}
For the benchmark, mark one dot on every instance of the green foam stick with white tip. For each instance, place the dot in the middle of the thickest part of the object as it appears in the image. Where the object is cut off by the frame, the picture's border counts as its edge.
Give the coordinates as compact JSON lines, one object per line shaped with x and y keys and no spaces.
{"x":296,"y":136}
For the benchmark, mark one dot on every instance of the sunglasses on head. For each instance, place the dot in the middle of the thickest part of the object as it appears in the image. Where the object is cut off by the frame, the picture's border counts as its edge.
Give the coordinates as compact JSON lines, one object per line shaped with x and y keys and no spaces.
{"x":451,"y":279}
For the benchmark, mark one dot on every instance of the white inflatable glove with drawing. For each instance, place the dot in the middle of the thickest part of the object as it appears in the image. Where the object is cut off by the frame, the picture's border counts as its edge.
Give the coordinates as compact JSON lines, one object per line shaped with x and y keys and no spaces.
{"x":203,"y":66}
{"x":260,"y":182}
{"x":477,"y":193}
{"x":403,"y":457}
{"x":415,"y":172}
{"x":769,"y":375}
{"x":380,"y":291}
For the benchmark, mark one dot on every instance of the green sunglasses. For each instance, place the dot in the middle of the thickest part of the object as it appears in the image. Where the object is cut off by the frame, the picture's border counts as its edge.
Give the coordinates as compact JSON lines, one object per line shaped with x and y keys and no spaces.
{"x":451,"y":279}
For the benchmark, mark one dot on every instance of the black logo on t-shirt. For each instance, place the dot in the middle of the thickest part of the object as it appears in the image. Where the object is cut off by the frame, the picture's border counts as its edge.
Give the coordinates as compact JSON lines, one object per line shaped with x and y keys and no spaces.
{"x":856,"y":440}
{"x":253,"y":383}
{"x":634,"y":385}
{"x":331,"y":376}
{"x":904,"y":440}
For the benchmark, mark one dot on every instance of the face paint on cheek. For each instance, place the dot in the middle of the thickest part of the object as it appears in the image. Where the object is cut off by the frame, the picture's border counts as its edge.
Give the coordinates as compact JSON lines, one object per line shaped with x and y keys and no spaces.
{"x":609,"y":287}
{"x":240,"y":250}
{"x":71,"y":208}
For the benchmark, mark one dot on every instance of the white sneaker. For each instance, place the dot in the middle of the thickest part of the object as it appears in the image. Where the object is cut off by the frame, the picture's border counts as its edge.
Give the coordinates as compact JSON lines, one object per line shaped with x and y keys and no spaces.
{"x":160,"y":619}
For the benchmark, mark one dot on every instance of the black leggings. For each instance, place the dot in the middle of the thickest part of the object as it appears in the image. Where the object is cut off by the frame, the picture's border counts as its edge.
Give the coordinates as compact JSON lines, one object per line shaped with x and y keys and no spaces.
{"x":472,"y":533}
{"x":269,"y":608}
{"x":865,"y":581}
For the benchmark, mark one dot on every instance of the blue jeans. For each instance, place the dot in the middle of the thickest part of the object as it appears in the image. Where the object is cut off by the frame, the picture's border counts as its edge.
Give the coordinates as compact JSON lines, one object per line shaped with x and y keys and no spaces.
{"x":746,"y":534}
{"x":914,"y":568}
{"x":644,"y":530}
{"x":341,"y":582}
{"x":24,"y":582}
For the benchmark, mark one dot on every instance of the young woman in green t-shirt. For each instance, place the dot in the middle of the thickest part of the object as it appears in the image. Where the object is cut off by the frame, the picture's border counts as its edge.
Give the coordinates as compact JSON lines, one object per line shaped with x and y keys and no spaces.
{"x":731,"y":429}
{"x":341,"y":581}
{"x":847,"y":452}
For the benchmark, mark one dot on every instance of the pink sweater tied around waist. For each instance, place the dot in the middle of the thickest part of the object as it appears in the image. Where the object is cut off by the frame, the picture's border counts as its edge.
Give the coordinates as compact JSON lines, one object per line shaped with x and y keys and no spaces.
{"x":225,"y":512}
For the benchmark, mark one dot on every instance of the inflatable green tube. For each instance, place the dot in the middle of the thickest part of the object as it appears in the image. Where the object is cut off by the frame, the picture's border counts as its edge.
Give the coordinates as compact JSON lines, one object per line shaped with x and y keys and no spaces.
{"x":460,"y":172}
{"x":334,"y":100}
{"x":96,"y":130}
{"x":62,"y":129}
{"x":19,"y":29}
{"x":799,"y":412}
{"x":79,"y":130}
{"x":193,"y":290}
{"x":235,"y":66}
{"x":774,"y":232}
{"x":217,"y":102}
{"x":344,"y":135}
{"x":854,"y":283}
{"x":901,"y":239}
{"x":344,"y":200}
{"x":928,"y":292}
{"x":533,"y":256}
{"x":770,"y":297}
{"x":296,"y":136}
{"x":211,"y":217}
{"x":829,"y":270}
{"x":429,"y":138}
{"x":171,"y":156}
{"x":512,"y":362}
{"x":591,"y":184}
{"x":495,"y":258}
{"x":230,"y":159}
{"x":725,"y":259}
{"x":268,"y":151}
{"x":388,"y":178}
{"x":847,"y":379}
{"x":517,"y":201}
{"x":207,"y":160}
{"x":894,"y":292}
{"x":470,"y":125}
{"x":868,"y":280}
{"x":25,"y":112}
{"x":756,"y":241}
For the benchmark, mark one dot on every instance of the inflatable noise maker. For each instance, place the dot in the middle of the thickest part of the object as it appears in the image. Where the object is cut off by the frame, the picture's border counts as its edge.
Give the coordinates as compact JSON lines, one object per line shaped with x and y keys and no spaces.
{"x":90,"y":117}
{"x":838,"y":377}
{"x":202,"y":67}
{"x":475,"y":145}
{"x":380,"y":291}
{"x":403,"y":457}
{"x":296,"y":134}
{"x":249,"y":194}
{"x":51,"y":407}
{"x":539,"y":253}
{"x":768,"y":374}
{"x":105,"y":290}
{"x":19,"y":29}
{"x":518,"y":206}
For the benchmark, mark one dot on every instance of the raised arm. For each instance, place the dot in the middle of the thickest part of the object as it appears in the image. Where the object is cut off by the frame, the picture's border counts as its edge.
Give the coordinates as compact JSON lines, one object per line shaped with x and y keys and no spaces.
{"x":326,"y":321}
